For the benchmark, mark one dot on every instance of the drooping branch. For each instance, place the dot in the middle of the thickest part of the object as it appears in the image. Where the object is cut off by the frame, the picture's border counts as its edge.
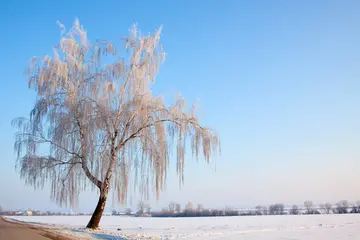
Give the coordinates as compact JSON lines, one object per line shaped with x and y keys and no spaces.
{"x":84,"y":166}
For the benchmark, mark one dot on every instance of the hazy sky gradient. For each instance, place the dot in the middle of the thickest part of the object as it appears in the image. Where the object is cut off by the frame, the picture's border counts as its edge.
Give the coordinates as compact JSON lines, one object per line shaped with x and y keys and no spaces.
{"x":279,"y":80}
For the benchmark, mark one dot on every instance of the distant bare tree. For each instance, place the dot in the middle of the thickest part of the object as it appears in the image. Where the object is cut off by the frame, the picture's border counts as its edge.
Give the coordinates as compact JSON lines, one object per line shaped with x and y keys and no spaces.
{"x":357,"y":206}
{"x":309,"y":207}
{"x":178,"y":207}
{"x":326,"y":207}
{"x":276,"y":209}
{"x":280,"y":208}
{"x":342,"y":207}
{"x":148,"y":208}
{"x":345,"y":205}
{"x":141,"y":208}
{"x":101,"y":122}
{"x":1,"y":209}
{"x":354,"y":208}
{"x":272,"y":209}
{"x":265,"y":210}
{"x":294,"y":210}
{"x":172,"y":206}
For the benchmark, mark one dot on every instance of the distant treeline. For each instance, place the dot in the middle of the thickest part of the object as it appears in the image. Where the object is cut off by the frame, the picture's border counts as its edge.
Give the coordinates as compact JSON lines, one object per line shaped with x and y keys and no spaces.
{"x":195,"y":213}
{"x":174,"y":210}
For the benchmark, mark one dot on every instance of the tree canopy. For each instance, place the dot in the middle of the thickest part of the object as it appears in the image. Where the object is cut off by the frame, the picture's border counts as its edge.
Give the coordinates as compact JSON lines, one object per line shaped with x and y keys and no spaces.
{"x":98,"y":124}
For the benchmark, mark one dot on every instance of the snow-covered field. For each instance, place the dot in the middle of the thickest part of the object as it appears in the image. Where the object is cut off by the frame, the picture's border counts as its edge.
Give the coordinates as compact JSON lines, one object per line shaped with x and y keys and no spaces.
{"x":302,"y":227}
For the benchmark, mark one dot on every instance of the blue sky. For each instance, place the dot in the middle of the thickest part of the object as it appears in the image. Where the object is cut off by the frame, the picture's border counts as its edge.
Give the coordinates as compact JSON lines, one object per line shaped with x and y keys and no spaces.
{"x":279,"y":80}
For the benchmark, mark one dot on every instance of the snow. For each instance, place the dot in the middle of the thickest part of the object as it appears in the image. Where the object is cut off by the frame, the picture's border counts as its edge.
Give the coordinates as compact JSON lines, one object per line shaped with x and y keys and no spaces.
{"x":301,"y":227}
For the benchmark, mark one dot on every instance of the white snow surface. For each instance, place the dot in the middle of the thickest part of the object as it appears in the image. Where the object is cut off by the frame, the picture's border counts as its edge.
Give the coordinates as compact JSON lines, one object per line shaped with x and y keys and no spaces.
{"x":300,"y":227}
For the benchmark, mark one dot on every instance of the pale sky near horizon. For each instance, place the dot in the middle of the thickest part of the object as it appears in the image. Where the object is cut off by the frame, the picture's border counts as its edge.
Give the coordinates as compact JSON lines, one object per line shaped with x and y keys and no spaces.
{"x":278,"y":80}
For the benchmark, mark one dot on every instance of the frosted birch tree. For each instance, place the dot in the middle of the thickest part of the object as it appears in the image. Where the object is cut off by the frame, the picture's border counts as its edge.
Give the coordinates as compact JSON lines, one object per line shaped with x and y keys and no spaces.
{"x":98,"y":125}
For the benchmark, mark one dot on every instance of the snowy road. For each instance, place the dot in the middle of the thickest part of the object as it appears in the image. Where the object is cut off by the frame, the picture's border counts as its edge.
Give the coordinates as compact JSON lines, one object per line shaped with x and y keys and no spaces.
{"x":9,"y":231}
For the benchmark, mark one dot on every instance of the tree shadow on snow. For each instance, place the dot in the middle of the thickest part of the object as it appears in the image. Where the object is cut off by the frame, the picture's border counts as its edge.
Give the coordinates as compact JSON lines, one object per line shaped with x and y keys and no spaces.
{"x":106,"y":237}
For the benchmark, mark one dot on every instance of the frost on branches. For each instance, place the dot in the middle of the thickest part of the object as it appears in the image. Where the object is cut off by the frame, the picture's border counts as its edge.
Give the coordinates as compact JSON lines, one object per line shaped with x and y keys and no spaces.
{"x":99,"y":125}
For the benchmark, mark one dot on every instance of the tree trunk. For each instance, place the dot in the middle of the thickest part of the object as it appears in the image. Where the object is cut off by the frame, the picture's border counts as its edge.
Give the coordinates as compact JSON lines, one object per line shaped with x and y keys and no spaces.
{"x":96,"y":217}
{"x":104,"y":190}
